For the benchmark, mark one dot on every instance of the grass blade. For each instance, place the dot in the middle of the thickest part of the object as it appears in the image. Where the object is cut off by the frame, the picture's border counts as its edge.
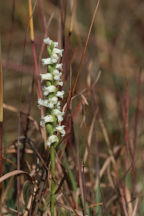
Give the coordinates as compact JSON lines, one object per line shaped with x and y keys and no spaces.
{"x":1,"y":121}
{"x":85,"y":48}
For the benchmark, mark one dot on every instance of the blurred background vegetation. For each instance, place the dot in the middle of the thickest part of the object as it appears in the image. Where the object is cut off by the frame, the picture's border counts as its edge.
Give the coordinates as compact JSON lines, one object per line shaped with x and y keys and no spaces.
{"x":106,"y":116}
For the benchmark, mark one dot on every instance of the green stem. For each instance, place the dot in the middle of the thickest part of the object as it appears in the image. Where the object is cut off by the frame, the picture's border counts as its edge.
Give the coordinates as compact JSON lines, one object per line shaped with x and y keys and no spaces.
{"x":53,"y":186}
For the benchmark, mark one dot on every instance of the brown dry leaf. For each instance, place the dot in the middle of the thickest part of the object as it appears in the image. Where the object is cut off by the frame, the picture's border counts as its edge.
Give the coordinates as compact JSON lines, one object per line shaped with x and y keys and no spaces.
{"x":11,"y":174}
{"x":79,"y":213}
{"x":84,"y":99}
{"x":90,"y":136}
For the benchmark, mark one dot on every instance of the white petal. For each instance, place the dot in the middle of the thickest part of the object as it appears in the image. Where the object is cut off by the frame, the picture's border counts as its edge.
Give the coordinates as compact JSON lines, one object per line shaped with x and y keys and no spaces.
{"x":46,"y":61}
{"x":58,"y":105}
{"x":39,"y":101}
{"x":58,"y":51}
{"x":58,"y":114}
{"x":42,"y":102}
{"x":60,"y":94}
{"x":52,"y":101}
{"x":49,"y":89}
{"x":60,"y":118}
{"x":60,"y":83}
{"x":52,"y":139}
{"x":56,"y":72}
{"x":49,"y":42}
{"x":59,"y":66}
{"x":57,"y":77}
{"x":42,"y":123}
{"x":50,"y":105}
{"x":54,"y":58}
{"x":61,"y":130}
{"x":46,"y":76}
{"x":60,"y":127}
{"x":46,"y":119}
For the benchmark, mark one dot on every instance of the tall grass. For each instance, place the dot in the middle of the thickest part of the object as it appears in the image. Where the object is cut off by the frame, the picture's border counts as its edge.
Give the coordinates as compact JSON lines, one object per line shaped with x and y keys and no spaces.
{"x":99,"y":163}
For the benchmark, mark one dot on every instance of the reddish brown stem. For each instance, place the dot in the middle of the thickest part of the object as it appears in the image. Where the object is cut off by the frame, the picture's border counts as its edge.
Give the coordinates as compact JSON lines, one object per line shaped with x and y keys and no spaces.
{"x":1,"y":148}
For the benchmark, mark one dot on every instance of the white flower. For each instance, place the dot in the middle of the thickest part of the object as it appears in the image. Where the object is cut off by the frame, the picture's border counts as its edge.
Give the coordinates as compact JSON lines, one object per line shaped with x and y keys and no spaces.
{"x":59,"y":83}
{"x":61,"y":130}
{"x":46,"y":76}
{"x":58,"y":114}
{"x":56,"y":78}
{"x":56,"y":72}
{"x":53,"y":59}
{"x":52,"y":139}
{"x":46,"y":61}
{"x":46,"y":119}
{"x":57,"y":75}
{"x":60,"y":94}
{"x":48,"y":41}
{"x":58,"y":51}
{"x":58,"y":105}
{"x":49,"y":89}
{"x":42,"y":102}
{"x":59,"y":66}
{"x":52,"y":101}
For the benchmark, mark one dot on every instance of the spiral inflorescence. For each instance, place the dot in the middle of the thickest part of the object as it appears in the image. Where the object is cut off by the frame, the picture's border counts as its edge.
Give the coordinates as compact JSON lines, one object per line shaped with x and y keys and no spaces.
{"x":52,"y":96}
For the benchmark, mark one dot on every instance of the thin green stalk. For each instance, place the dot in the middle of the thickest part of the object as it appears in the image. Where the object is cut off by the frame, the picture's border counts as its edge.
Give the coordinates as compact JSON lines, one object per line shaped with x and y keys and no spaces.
{"x":71,"y":176}
{"x":74,"y":183}
{"x":53,"y":186}
{"x":53,"y":115}
{"x":98,"y":200}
